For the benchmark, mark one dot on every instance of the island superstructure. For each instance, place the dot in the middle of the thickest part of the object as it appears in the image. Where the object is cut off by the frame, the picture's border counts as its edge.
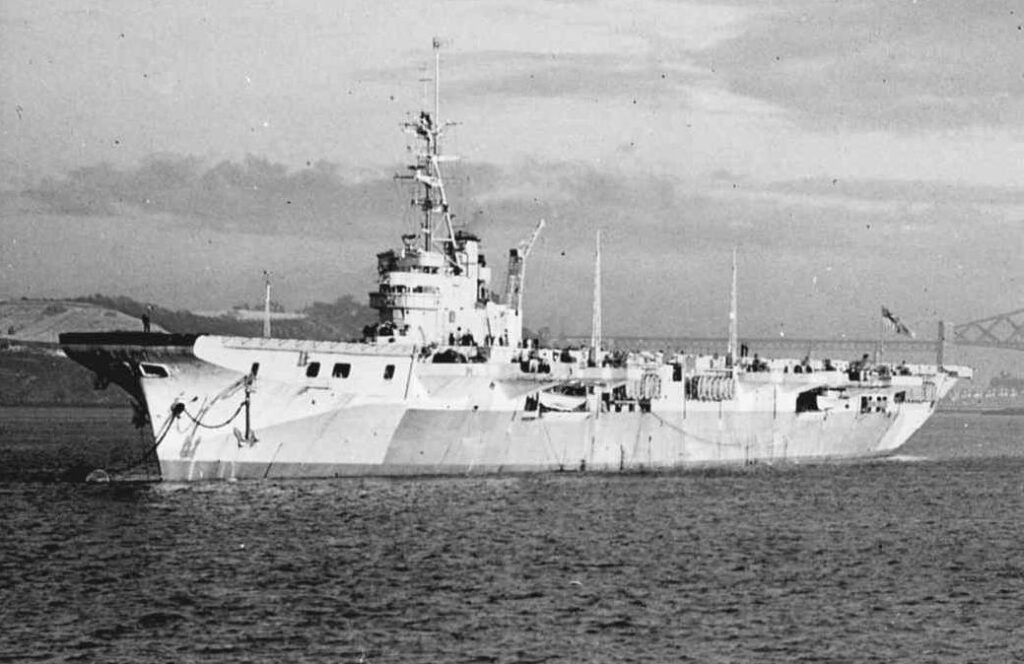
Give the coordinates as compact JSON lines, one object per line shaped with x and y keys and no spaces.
{"x":445,"y":383}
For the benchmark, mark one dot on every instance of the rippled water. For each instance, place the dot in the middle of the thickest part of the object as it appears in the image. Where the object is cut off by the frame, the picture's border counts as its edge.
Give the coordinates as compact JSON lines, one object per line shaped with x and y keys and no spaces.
{"x":919,"y":559}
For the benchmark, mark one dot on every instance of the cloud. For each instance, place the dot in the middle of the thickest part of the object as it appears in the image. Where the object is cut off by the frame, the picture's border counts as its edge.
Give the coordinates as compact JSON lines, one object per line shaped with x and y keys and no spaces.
{"x":884,"y":199}
{"x":558,"y":75}
{"x":617,"y":26}
{"x":883,"y":65}
{"x":806,"y":245}
{"x":257,"y":196}
{"x":254,"y":196}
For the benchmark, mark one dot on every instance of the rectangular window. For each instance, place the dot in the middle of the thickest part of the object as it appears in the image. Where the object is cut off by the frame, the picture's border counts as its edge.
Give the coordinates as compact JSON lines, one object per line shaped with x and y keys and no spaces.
{"x":153,"y":370}
{"x":312,"y":369}
{"x":389,"y":372}
{"x":341,"y":370}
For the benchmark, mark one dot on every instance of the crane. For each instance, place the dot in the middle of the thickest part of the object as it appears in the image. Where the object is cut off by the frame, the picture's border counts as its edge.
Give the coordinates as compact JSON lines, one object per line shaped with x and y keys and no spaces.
{"x":517,"y":269}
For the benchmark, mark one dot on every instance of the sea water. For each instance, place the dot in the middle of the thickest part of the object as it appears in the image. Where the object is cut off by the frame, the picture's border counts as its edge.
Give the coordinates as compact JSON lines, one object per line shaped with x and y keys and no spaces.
{"x":919,"y":558}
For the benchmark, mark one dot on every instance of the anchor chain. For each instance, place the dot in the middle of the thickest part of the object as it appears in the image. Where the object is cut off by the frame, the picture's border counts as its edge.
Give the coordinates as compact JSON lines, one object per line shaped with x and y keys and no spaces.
{"x":247,"y":438}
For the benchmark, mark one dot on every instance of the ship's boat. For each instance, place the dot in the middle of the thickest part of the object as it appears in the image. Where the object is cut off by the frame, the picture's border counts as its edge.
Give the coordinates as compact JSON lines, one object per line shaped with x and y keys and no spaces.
{"x":445,"y":383}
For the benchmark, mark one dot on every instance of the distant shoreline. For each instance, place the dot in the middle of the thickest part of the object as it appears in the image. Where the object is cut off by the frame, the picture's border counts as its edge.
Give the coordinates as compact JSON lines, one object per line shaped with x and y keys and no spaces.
{"x":65,"y":406}
{"x":1008,"y":410}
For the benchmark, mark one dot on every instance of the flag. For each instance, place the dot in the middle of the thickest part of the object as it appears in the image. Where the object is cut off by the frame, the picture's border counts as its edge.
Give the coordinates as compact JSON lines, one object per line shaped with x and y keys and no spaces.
{"x":895,"y":324}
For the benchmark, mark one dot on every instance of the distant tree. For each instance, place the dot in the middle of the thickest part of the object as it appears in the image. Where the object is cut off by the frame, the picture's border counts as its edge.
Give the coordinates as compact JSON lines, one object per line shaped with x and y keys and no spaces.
{"x":1006,"y":380}
{"x":345,"y":317}
{"x":342,"y":319}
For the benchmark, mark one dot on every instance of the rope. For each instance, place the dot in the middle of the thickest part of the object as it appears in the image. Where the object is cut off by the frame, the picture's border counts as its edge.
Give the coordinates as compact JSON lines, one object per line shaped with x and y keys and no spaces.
{"x":176,"y":410}
{"x":199,"y":423}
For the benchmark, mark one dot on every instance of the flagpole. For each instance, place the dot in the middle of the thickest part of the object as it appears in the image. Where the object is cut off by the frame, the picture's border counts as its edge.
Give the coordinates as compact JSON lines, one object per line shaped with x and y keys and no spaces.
{"x":878,"y":343}
{"x":266,"y":305}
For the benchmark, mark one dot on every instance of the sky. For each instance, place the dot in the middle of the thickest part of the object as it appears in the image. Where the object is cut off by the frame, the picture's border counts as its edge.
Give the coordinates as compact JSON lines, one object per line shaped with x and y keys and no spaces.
{"x":855,"y":154}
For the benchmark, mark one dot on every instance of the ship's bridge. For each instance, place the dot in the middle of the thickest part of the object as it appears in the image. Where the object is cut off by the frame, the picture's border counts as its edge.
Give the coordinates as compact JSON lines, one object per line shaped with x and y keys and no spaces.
{"x":429,"y":263}
{"x":441,"y":298}
{"x":409,"y":281}
{"x":436,"y":287}
{"x":401,"y":297}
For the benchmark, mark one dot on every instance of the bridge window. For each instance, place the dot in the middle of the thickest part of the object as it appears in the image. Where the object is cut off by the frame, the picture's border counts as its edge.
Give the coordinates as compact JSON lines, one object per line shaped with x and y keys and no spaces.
{"x":312,"y":369}
{"x":341,"y":370}
{"x":389,"y":372}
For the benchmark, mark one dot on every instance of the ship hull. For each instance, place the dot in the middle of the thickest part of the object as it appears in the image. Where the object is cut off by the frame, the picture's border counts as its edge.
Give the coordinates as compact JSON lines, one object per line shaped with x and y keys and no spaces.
{"x":225,"y":408}
{"x":433,"y":443}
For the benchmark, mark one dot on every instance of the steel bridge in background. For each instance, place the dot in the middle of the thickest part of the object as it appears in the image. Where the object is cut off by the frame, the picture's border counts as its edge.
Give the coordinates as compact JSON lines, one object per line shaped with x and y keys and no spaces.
{"x":1003,"y":331}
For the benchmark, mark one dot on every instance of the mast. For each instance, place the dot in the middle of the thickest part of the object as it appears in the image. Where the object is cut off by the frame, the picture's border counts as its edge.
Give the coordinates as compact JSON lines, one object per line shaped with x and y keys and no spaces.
{"x":878,"y":343}
{"x":437,"y":79}
{"x":733,"y":331}
{"x":433,"y":200}
{"x":595,"y":326}
{"x":266,"y":305}
{"x":940,"y":350}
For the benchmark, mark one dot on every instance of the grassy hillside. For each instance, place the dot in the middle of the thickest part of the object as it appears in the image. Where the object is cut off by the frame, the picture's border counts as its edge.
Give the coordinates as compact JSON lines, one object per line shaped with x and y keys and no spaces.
{"x":341,"y":320}
{"x":34,"y":373}
{"x":41,"y":321}
{"x":32,"y":376}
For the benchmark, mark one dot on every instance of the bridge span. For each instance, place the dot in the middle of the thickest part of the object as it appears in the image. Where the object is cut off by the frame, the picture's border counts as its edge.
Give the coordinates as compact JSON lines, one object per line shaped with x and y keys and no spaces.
{"x":763,"y":345}
{"x":1003,"y":331}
